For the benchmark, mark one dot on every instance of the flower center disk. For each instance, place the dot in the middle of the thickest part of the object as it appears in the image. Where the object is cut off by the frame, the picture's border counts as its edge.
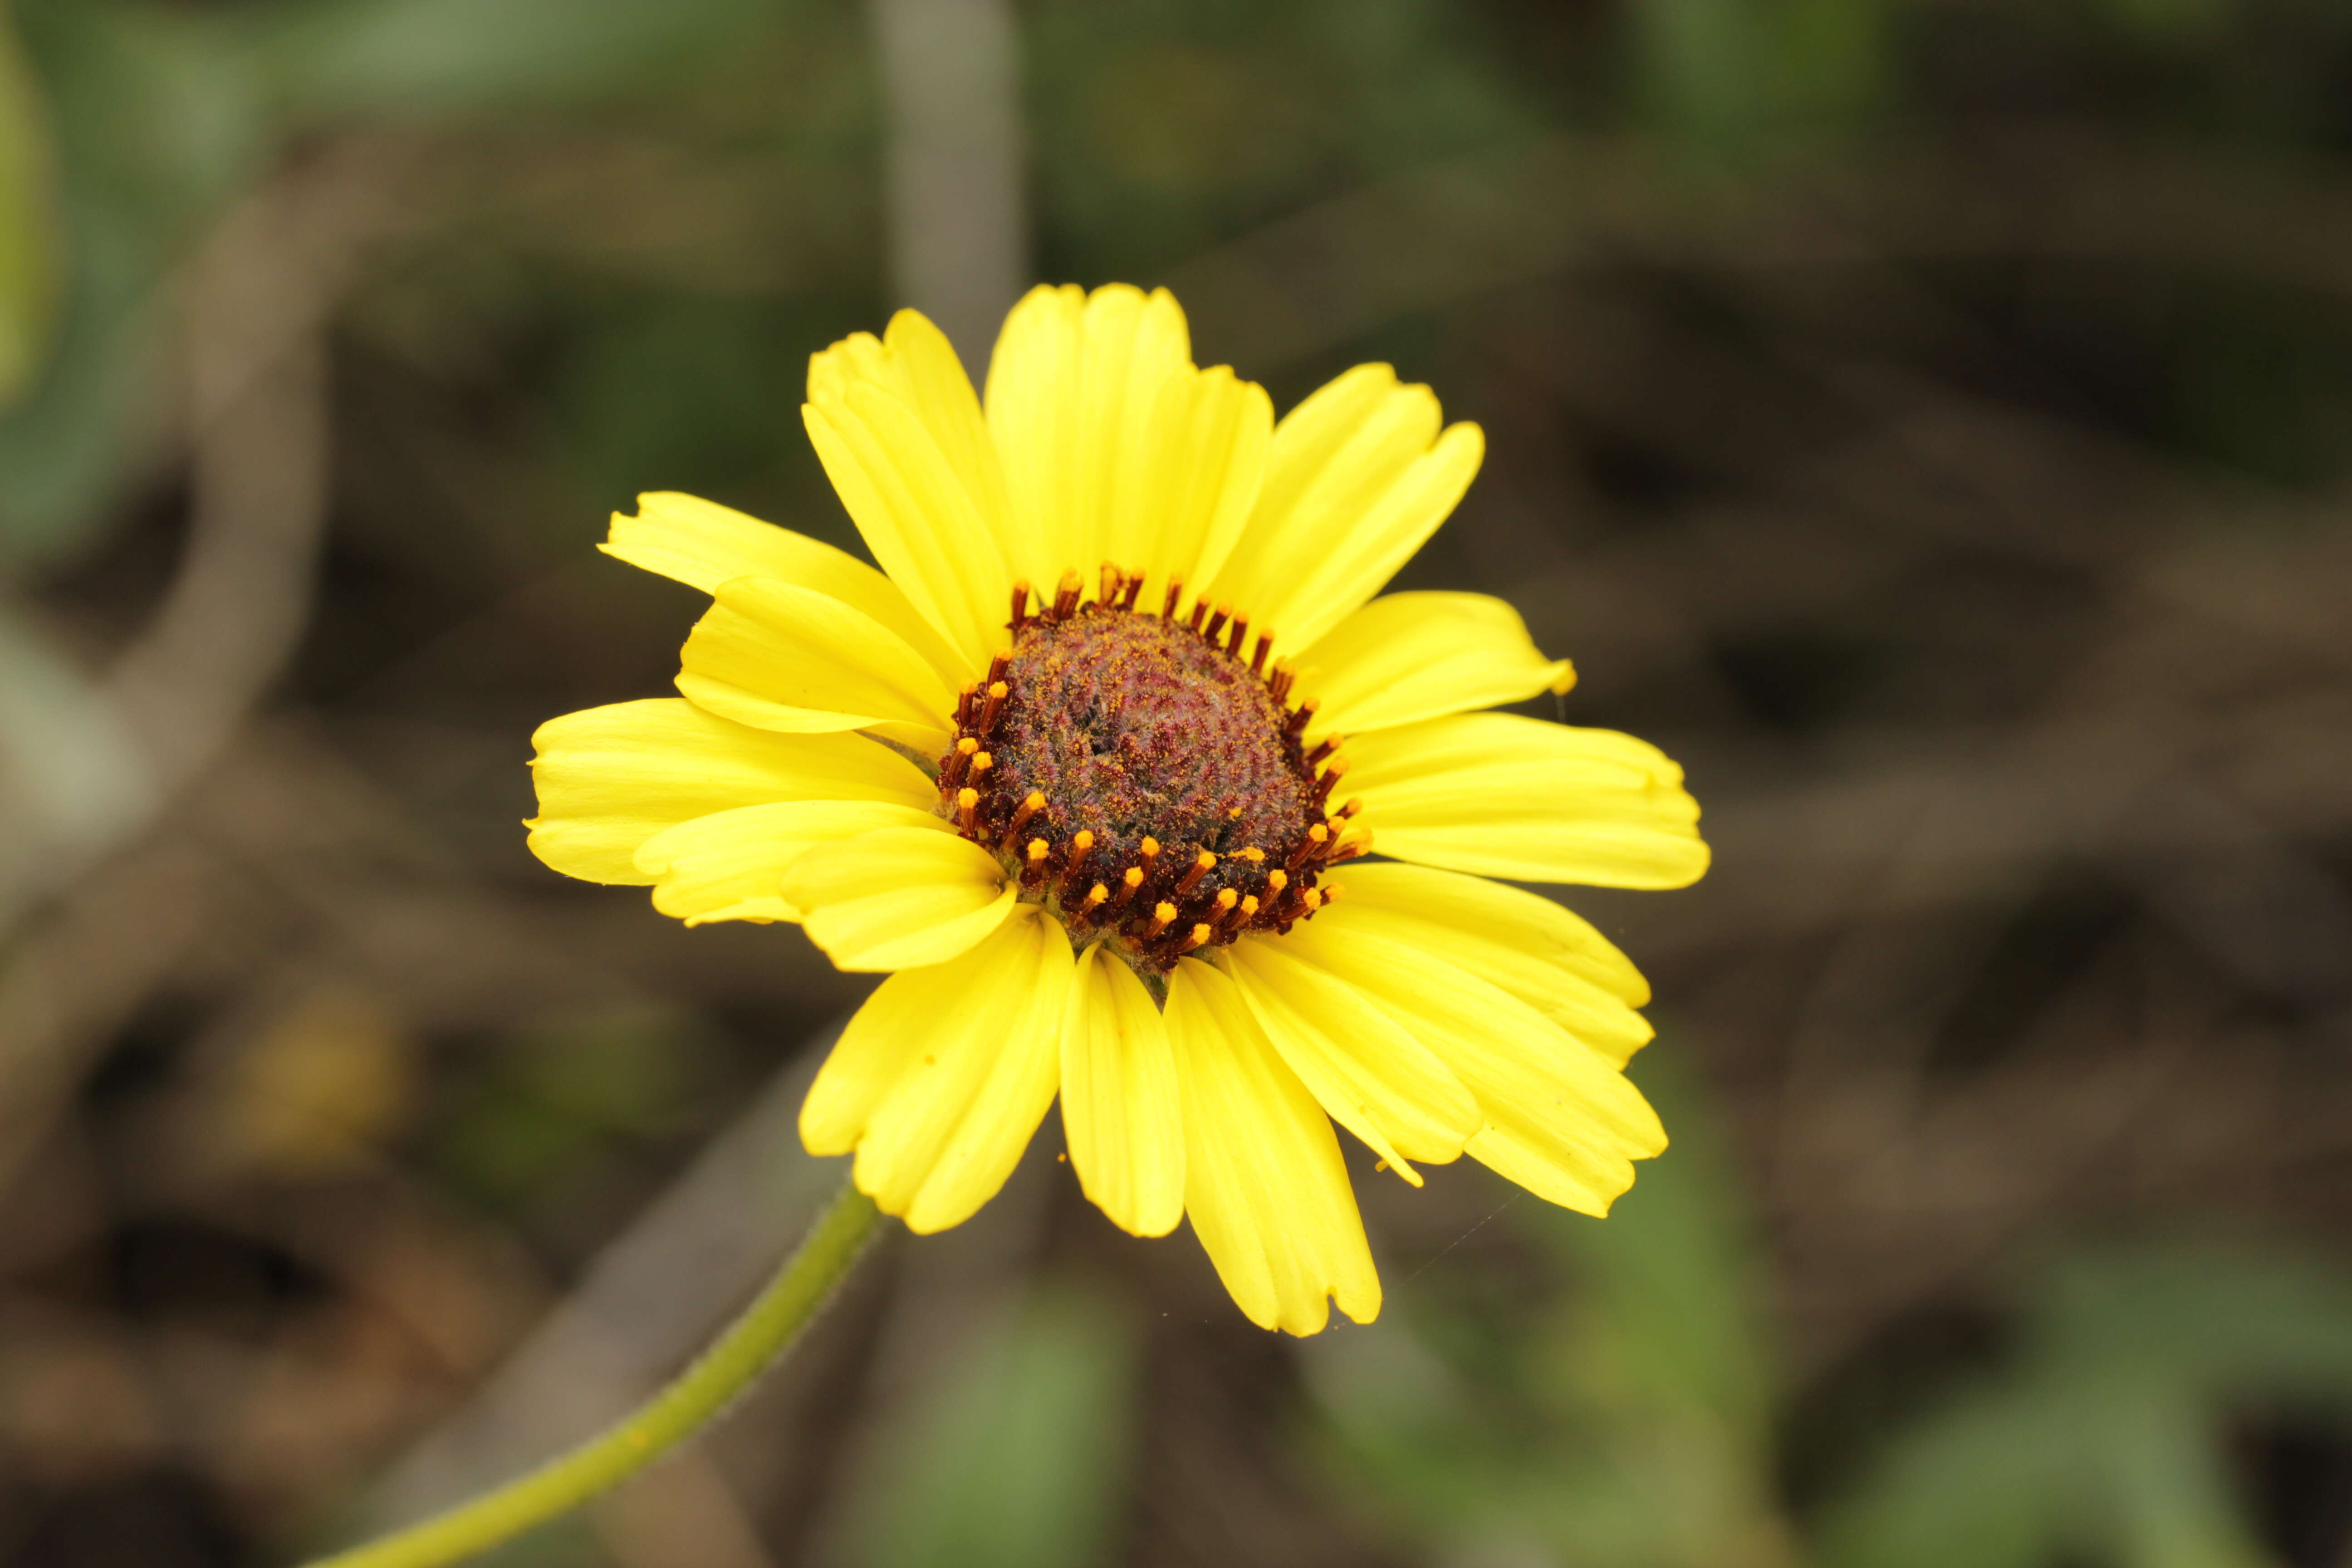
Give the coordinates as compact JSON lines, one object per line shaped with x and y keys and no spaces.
{"x":1142,"y":776}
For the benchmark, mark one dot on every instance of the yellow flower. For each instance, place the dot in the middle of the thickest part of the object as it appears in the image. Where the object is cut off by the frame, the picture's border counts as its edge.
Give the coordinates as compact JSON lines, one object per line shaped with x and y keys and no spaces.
{"x":1070,"y":768}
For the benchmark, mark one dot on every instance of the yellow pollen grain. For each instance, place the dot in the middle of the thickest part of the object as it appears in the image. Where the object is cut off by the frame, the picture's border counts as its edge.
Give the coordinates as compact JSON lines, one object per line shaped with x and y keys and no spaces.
{"x":967,"y":746}
{"x":1134,"y":877}
{"x":1276,"y":879}
{"x":1249,"y":904}
{"x":1000,"y":691}
{"x":1226,"y":899}
{"x":1253,"y":854}
{"x":1037,"y":850}
{"x":967,"y":798}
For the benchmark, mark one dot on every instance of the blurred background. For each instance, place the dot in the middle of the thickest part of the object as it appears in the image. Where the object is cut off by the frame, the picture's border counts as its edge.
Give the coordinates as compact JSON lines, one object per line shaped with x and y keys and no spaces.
{"x":1928,"y":419}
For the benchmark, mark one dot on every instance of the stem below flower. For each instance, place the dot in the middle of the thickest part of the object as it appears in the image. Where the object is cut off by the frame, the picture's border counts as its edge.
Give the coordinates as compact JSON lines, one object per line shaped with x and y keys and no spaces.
{"x":750,"y":1345}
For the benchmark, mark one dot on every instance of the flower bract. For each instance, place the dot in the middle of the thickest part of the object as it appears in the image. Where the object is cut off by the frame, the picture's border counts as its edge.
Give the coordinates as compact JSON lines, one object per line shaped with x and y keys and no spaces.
{"x":1141,"y":799}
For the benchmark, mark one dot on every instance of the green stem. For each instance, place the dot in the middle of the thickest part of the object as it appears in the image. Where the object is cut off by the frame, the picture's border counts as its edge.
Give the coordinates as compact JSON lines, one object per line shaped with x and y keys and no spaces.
{"x":748,"y":1347}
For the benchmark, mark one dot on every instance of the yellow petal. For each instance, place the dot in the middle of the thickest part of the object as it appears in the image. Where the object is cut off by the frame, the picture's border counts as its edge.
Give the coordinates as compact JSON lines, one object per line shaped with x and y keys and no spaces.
{"x":703,"y":544}
{"x":1510,"y":938}
{"x":1072,"y":387}
{"x":1409,"y":657}
{"x":1212,"y":434}
{"x":916,"y":511}
{"x":730,"y":865}
{"x":1356,"y":476}
{"x":776,"y":656}
{"x":610,"y":778}
{"x":916,"y":365}
{"x":944,"y":1074}
{"x":898,"y":898}
{"x":1122,"y":1113}
{"x":1374,"y":1078}
{"x":1483,"y":913}
{"x":1115,"y":447}
{"x":1263,"y":1184}
{"x":1506,"y":797}
{"x":1559,"y":1118}
{"x":1069,"y":377}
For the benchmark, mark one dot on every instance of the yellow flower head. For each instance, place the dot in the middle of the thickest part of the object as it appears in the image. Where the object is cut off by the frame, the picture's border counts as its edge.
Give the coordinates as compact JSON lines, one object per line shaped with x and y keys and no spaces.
{"x":1089,"y":767}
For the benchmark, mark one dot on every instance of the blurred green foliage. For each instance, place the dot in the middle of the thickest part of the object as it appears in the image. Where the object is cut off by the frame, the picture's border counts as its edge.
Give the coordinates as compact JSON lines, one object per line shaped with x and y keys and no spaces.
{"x":2106,"y":1435}
{"x":1624,"y":1414}
{"x":1016,"y":1457}
{"x":345,"y":60}
{"x":163,"y":115}
{"x":30,"y":245}
{"x":1723,"y":73}
{"x":540,"y":1112}
{"x":1161,"y":127}
{"x":1618,"y":1415}
{"x":158,"y":119}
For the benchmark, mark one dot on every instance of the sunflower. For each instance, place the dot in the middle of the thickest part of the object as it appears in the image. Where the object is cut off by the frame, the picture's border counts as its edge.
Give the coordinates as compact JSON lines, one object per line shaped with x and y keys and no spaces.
{"x":1089,"y":769}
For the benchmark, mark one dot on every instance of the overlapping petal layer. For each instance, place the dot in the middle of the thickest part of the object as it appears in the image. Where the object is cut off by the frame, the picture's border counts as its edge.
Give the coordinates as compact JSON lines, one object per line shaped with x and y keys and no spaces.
{"x":896,"y":424}
{"x":898,"y":898}
{"x":942,"y":1077}
{"x":704,"y":544}
{"x":610,"y":778}
{"x":1071,"y":391}
{"x":1520,"y":941}
{"x":1265,"y":1187}
{"x":1559,"y":1117}
{"x":1115,"y":447}
{"x":730,"y":865}
{"x":1356,"y":476}
{"x":1409,"y":657}
{"x":1121,"y":1111}
{"x":1374,"y":1078}
{"x":776,"y":656}
{"x":1506,"y":797}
